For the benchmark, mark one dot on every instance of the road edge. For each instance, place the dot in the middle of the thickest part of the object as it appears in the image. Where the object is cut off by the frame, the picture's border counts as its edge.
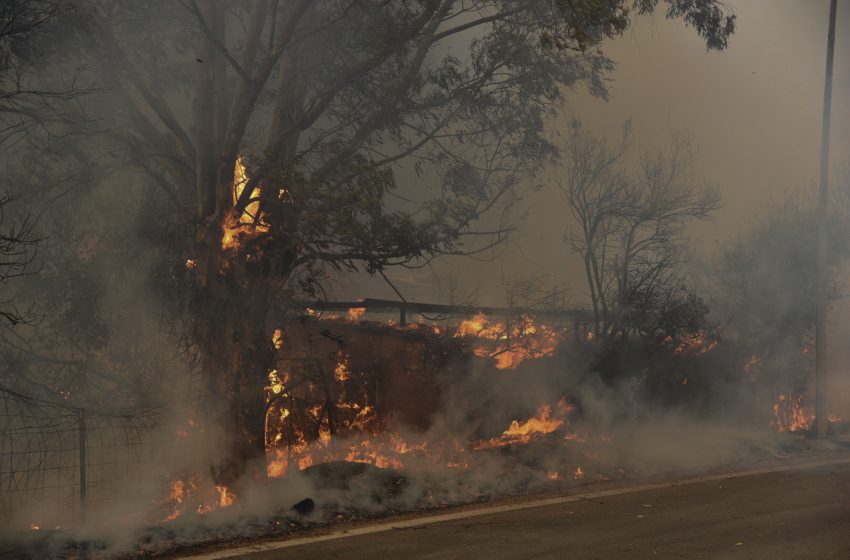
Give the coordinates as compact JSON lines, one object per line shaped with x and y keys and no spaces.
{"x":385,"y":526}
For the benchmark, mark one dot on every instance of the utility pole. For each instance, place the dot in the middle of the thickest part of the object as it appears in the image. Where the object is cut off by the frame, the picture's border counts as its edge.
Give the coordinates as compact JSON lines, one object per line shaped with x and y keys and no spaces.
{"x":821,"y":375}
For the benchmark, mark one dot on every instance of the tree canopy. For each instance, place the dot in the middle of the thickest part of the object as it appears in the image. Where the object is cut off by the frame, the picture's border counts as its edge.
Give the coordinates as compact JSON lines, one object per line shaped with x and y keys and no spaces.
{"x":276,"y":140}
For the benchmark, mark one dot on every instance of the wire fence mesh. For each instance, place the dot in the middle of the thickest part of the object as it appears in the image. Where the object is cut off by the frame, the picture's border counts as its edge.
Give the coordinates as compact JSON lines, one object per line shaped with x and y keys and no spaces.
{"x":58,"y":460}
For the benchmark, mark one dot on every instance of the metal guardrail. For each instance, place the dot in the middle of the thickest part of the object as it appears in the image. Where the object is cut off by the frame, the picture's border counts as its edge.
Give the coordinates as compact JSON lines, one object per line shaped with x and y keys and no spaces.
{"x":405,"y":307}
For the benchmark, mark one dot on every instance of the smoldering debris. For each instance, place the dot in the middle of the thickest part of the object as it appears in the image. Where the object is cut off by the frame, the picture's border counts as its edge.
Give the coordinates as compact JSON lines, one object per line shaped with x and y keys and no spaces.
{"x":548,"y":425}
{"x":347,"y":492}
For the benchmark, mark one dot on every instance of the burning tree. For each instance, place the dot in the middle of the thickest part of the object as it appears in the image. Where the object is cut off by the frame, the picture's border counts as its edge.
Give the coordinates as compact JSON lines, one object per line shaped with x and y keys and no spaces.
{"x":305,"y":116}
{"x":630,"y":234}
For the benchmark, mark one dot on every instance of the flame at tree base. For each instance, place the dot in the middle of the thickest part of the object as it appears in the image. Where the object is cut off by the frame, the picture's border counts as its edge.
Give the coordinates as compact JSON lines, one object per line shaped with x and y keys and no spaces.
{"x":791,"y":414}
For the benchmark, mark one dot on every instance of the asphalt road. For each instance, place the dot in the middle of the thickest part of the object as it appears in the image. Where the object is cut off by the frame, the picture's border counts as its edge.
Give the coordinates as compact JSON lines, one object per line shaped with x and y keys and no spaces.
{"x":779,"y":515}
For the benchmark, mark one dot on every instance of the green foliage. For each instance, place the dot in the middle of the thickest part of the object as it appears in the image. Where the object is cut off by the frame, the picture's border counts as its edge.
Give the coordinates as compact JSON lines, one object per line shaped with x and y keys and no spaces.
{"x":590,"y":21}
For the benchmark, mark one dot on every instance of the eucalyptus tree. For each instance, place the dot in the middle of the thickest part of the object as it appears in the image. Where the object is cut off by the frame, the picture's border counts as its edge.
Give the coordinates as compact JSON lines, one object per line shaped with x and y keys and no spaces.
{"x":279,"y":131}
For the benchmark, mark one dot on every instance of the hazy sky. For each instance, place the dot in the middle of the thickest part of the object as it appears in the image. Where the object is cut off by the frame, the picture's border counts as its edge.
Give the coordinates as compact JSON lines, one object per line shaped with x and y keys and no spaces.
{"x":753,"y":112}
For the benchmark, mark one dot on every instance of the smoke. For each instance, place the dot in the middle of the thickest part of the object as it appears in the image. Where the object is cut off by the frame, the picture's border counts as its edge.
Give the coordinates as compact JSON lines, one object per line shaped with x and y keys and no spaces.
{"x":613,"y":427}
{"x":111,"y":330}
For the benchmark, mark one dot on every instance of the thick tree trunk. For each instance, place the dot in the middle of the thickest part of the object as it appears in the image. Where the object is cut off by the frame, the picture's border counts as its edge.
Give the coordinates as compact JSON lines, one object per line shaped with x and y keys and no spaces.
{"x":230,"y":303}
{"x":234,"y":374}
{"x":234,"y":286}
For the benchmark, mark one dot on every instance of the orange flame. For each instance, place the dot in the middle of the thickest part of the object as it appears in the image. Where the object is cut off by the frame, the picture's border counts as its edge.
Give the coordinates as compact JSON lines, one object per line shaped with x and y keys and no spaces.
{"x":695,"y":343}
{"x":354,"y":313}
{"x":250,"y":222}
{"x":277,"y":339}
{"x":523,"y":432}
{"x":342,"y":373}
{"x":511,"y":346}
{"x":790,"y":415}
{"x":225,"y":496}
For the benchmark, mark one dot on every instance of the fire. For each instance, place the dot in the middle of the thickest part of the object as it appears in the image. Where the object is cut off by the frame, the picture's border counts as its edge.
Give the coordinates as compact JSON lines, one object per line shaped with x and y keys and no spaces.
{"x":356,"y":434}
{"x":477,"y":326}
{"x":510,"y":346}
{"x":277,"y":339}
{"x":276,"y":467}
{"x":320,"y":416}
{"x":363,"y":419}
{"x":276,"y":384}
{"x":192,"y":494}
{"x":695,"y":343}
{"x":332,"y":412}
{"x":325,"y":434}
{"x":790,"y":415}
{"x":248,"y":224}
{"x":178,"y":491}
{"x":177,"y":497}
{"x":225,"y":496}
{"x":522,"y":432}
{"x":542,"y":424}
{"x":341,"y":422}
{"x":381,"y":450}
{"x":365,"y":452}
{"x":342,"y":373}
{"x":354,"y":313}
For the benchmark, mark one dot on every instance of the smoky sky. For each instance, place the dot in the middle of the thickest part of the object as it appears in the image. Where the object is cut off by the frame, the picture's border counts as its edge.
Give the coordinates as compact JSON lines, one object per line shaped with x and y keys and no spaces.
{"x":752,"y":111}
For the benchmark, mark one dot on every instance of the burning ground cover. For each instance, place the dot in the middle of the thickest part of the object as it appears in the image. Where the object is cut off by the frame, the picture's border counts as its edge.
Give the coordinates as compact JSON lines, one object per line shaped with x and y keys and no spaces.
{"x":365,"y":419}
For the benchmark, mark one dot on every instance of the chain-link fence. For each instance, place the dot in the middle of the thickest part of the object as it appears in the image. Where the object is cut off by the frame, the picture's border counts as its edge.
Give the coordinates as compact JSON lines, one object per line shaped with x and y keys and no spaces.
{"x":57,"y":460}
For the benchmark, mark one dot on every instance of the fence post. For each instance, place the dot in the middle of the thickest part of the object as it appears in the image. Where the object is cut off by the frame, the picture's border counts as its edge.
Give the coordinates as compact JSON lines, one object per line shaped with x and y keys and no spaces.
{"x":82,"y":442}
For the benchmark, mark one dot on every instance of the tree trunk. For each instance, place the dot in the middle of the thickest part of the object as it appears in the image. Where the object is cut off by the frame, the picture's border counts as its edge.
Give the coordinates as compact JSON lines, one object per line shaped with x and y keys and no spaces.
{"x":230,"y":302}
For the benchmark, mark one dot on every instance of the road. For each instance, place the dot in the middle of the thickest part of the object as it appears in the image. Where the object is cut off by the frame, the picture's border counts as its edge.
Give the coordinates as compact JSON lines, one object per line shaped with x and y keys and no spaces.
{"x":791,"y":514}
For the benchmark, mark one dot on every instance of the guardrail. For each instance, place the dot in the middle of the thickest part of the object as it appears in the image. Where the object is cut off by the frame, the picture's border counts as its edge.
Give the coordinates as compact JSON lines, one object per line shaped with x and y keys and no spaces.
{"x":405,"y":307}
